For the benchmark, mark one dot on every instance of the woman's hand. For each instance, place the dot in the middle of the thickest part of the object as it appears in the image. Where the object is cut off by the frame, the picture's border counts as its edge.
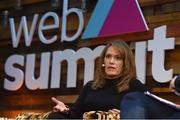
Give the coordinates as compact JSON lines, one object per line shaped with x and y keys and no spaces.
{"x":172,"y":84}
{"x":115,"y":111}
{"x":60,"y":106}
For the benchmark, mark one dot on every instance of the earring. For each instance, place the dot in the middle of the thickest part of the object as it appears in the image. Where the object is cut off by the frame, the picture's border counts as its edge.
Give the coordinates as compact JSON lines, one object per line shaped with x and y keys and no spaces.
{"x":103,"y":65}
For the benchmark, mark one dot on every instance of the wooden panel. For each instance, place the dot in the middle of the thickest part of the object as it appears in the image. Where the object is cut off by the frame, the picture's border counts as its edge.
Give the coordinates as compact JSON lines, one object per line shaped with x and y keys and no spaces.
{"x":67,"y":98}
{"x":173,"y":17}
{"x":4,"y":4}
{"x":23,"y":100}
{"x":154,"y":2}
{"x":172,"y":31}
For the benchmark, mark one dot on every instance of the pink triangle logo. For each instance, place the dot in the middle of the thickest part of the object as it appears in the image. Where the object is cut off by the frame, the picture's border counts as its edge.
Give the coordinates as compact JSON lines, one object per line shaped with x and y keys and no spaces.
{"x":115,"y":17}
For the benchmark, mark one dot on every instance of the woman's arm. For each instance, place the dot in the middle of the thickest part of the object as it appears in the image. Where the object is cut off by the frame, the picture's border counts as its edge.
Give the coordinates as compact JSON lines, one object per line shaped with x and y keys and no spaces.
{"x":61,"y":111}
{"x":77,"y":109}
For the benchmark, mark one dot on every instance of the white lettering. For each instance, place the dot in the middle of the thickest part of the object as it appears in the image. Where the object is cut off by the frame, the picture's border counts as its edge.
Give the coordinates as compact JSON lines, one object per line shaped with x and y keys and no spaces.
{"x":140,"y":59}
{"x":66,"y":12}
{"x":71,"y":57}
{"x":48,"y":27}
{"x":22,"y":26}
{"x":42,"y":26}
{"x":158,"y":46}
{"x":14,"y":72}
{"x":42,"y":81}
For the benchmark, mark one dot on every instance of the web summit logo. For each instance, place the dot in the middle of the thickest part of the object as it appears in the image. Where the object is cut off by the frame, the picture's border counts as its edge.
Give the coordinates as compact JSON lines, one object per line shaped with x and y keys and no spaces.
{"x":112,"y":17}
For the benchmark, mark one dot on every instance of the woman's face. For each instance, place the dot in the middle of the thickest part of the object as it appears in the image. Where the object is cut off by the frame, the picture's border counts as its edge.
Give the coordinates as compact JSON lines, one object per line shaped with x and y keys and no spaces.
{"x":113,"y":62}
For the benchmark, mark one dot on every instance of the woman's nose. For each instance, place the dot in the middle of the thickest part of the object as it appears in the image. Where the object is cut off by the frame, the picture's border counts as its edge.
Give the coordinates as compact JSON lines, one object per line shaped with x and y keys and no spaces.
{"x":112,"y":60}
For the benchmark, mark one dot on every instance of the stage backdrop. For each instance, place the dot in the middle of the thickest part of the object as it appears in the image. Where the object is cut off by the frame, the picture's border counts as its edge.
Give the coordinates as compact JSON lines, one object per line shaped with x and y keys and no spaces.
{"x":157,"y":13}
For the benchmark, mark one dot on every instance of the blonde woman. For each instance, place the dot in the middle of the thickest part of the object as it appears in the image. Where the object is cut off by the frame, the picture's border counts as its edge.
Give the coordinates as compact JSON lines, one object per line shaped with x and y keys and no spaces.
{"x":115,"y":76}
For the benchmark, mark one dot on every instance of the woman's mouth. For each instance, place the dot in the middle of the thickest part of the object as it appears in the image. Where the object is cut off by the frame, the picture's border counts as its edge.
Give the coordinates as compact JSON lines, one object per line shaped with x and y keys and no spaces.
{"x":111,"y":68}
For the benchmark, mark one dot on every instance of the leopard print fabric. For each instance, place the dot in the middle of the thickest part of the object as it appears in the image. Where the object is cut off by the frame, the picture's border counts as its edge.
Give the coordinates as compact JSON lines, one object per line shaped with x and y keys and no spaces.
{"x":101,"y":115}
{"x":32,"y":116}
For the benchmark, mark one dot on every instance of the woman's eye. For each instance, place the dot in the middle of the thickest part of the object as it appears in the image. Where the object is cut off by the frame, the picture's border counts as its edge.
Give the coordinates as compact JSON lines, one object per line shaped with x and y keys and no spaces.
{"x":107,"y":56}
{"x":118,"y":58}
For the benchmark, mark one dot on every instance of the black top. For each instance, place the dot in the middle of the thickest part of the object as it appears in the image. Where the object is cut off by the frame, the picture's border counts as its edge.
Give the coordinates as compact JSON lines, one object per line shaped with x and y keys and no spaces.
{"x":102,"y":99}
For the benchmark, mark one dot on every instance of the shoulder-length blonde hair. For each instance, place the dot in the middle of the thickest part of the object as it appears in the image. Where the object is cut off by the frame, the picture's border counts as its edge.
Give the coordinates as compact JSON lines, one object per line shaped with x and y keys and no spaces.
{"x":129,"y":70}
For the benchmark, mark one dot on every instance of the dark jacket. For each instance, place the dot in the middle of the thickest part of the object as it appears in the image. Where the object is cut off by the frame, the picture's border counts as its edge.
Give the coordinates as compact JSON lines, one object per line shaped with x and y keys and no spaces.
{"x":102,"y":99}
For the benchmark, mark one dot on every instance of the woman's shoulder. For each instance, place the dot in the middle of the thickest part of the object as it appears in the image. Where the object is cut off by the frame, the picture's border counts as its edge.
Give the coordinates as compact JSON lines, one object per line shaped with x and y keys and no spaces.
{"x":134,"y":82}
{"x":136,"y":85}
{"x":88,"y":85}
